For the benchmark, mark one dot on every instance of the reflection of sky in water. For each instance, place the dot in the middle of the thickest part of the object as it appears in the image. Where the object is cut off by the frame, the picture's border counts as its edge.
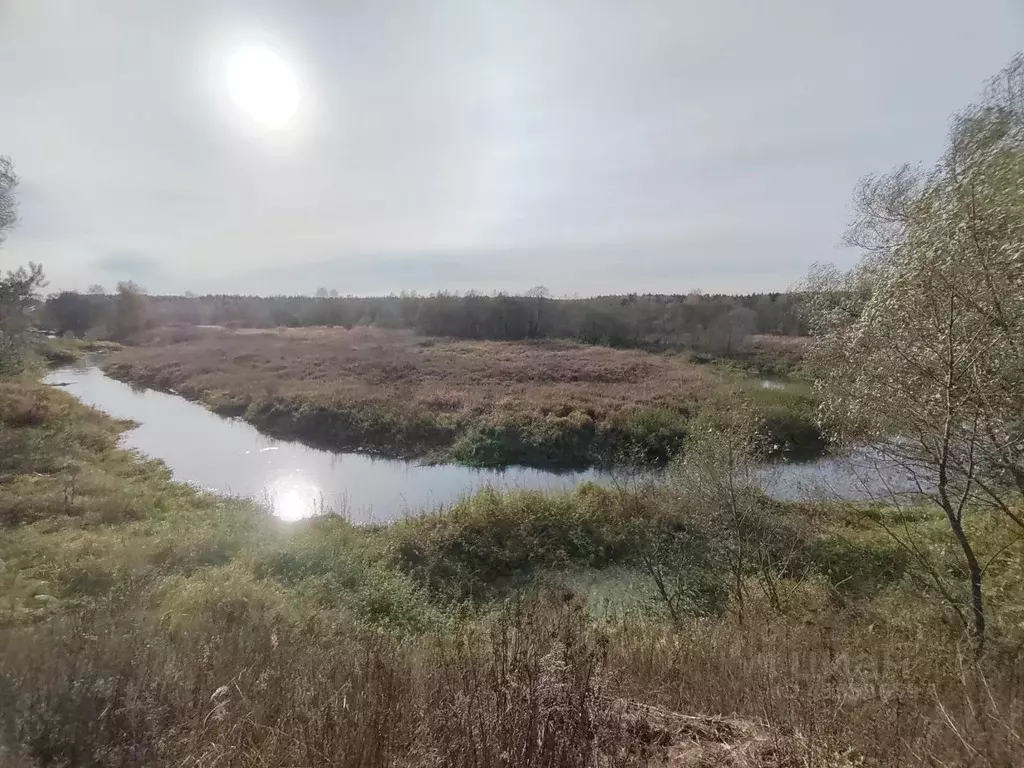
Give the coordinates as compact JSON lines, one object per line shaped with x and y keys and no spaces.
{"x":232,"y":457}
{"x":862,"y":474}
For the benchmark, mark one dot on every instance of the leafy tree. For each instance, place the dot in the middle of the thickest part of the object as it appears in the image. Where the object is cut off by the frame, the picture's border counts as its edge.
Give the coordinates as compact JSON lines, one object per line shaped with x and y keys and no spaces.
{"x":19,"y":296}
{"x":539,"y":296}
{"x":721,"y":474}
{"x":8,"y":200}
{"x":729,"y":330}
{"x":130,"y":310}
{"x":19,"y":290}
{"x":71,"y":312}
{"x":922,"y":341}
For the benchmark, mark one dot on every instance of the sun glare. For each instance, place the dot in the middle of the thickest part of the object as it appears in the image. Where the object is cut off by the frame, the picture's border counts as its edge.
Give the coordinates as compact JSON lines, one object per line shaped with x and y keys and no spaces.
{"x":262,"y":85}
{"x":292,"y":498}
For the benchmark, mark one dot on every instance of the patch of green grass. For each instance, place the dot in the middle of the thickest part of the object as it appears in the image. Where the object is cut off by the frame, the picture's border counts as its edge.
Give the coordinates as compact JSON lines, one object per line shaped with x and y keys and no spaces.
{"x":650,"y":436}
{"x":499,"y":540}
{"x":493,"y":543}
{"x":858,"y":568}
{"x":65,"y":350}
{"x":334,"y":565}
{"x":367,"y":427}
{"x":786,"y":415}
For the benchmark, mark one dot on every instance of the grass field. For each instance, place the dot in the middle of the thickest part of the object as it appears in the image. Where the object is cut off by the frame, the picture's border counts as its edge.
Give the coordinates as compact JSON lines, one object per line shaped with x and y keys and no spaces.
{"x":475,"y":402}
{"x":144,"y":623}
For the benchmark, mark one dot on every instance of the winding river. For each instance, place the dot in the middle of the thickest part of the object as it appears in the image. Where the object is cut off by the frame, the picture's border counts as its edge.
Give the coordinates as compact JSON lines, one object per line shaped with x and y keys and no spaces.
{"x":229,"y":456}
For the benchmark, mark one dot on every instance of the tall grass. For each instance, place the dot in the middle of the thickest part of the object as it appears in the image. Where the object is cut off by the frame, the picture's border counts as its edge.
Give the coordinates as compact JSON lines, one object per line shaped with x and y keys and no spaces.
{"x":485,"y":403}
{"x":535,"y":685}
{"x":144,"y":623}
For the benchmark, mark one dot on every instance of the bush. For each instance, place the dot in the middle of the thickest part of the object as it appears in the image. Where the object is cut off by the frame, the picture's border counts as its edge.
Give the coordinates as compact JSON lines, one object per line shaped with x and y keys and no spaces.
{"x":555,"y":441}
{"x":792,"y":435}
{"x":495,"y":541}
{"x":857,"y":569}
{"x":333,"y":567}
{"x":649,"y":436}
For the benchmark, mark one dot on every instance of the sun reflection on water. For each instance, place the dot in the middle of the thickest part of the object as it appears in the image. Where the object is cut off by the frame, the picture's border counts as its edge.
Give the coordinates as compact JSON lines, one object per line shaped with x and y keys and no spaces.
{"x":293,"y":498}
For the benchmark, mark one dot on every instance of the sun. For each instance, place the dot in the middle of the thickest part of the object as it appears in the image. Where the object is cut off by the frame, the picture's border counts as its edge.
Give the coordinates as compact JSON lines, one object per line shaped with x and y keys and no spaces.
{"x":262,"y":85}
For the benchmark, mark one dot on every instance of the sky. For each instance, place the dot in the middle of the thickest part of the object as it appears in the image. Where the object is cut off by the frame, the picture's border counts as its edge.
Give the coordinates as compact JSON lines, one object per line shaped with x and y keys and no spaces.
{"x":590,"y":146}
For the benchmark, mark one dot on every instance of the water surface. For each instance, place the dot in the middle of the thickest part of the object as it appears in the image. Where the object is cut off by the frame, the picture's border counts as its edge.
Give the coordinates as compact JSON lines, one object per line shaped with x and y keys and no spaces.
{"x":232,"y":457}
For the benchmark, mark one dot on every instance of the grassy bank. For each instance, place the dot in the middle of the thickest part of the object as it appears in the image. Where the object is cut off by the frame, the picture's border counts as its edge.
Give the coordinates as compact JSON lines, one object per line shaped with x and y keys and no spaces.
{"x":55,"y":352}
{"x":142,"y":622}
{"x":551,"y":404}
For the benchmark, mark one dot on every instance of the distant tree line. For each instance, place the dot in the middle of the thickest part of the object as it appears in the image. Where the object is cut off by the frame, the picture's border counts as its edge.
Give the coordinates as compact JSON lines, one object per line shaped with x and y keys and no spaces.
{"x":711,"y":323}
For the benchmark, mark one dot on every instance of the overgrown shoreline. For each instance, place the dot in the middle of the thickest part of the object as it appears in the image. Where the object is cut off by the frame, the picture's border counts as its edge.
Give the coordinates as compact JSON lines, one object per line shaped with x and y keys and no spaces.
{"x":137,"y":607}
{"x":651,"y":438}
{"x":402,"y":396}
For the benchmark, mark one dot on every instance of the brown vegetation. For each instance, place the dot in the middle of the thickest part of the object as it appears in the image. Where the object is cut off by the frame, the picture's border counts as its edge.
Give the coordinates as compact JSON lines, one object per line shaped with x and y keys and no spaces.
{"x":144,"y":623}
{"x":333,"y":365}
{"x":537,"y":685}
{"x":771,"y":354}
{"x":546,"y":403}
{"x":480,"y":402}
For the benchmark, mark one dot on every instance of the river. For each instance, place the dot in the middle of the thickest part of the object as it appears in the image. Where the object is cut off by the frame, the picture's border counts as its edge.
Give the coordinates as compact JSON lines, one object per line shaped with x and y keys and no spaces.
{"x":229,"y":456}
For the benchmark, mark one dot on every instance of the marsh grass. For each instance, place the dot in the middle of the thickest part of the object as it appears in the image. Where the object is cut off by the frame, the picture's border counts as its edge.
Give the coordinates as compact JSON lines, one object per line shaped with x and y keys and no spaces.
{"x":145,"y":623}
{"x":535,"y":684}
{"x":486,"y":403}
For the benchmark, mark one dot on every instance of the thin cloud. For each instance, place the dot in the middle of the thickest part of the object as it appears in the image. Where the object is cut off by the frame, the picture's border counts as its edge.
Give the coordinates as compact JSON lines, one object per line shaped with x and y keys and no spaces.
{"x":591,"y":147}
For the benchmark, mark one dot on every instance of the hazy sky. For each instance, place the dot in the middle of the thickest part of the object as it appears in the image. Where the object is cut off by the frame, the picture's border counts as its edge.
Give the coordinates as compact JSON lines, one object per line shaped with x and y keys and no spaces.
{"x":595,"y":146}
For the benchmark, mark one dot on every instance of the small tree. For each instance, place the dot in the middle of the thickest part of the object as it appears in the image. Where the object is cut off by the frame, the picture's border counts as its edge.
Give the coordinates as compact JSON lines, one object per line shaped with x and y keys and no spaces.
{"x":19,"y":297}
{"x":71,"y":312}
{"x":673,"y":549}
{"x":539,"y":296}
{"x":19,"y":290}
{"x":728,"y":331}
{"x":8,"y":200}
{"x":129,"y":310}
{"x":720,"y":475}
{"x":922,"y":341}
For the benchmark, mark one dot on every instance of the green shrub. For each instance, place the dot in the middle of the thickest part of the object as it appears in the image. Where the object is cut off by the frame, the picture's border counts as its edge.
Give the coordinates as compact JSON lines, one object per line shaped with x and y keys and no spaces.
{"x":792,"y":435}
{"x":858,"y":569}
{"x":554,"y":441}
{"x":368,"y":426}
{"x":648,"y":436}
{"x":686,"y":576}
{"x":334,"y":566}
{"x":494,"y":541}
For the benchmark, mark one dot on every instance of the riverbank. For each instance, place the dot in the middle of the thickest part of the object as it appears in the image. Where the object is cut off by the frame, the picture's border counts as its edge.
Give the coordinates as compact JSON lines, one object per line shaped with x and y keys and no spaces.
{"x":550,"y":404}
{"x":228,"y":455}
{"x":149,"y":623}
